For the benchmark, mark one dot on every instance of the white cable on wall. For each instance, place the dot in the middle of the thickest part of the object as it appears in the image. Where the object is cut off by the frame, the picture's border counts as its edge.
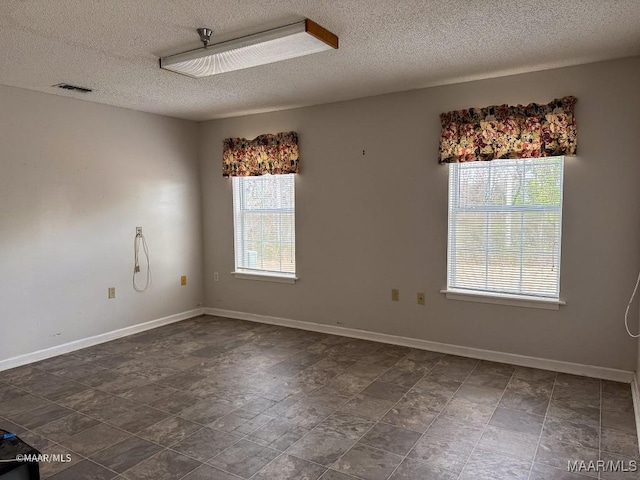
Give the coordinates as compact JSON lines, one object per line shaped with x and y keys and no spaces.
{"x":138,"y":240}
{"x":626,"y":313}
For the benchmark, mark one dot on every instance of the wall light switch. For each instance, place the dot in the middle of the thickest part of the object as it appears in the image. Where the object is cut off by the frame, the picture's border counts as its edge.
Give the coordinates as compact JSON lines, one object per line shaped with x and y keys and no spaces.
{"x":395,"y":295}
{"x":216,"y":277}
{"x":112,"y":292}
{"x":420,"y":298}
{"x":183,"y":280}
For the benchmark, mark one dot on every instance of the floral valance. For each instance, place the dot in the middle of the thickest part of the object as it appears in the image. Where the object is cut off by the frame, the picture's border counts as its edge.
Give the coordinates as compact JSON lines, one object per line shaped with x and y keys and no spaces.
{"x":267,"y":154}
{"x":505,"y":131}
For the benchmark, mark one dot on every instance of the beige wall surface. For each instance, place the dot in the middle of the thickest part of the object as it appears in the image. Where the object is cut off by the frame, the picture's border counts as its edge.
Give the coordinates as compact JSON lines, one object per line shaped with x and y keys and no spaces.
{"x":76,"y":178}
{"x":369,"y":223}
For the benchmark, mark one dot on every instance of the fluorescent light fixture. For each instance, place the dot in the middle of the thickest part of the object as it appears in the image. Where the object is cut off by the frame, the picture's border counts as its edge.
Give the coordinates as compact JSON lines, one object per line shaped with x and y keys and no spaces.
{"x":283,"y":43}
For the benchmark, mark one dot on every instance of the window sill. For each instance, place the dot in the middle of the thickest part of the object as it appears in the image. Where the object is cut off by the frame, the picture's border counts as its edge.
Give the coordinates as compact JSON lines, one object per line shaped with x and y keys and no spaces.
{"x":265,"y":277}
{"x":504,"y":299}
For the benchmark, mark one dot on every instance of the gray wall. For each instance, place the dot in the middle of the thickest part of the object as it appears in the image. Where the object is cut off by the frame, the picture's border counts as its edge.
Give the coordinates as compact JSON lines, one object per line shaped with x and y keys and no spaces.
{"x":76,"y":178}
{"x":366,"y":224}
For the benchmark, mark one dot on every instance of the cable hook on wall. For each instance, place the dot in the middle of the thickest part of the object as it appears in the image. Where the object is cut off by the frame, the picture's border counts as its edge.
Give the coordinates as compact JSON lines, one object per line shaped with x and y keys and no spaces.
{"x":626,"y":313}
{"x":140,"y":240}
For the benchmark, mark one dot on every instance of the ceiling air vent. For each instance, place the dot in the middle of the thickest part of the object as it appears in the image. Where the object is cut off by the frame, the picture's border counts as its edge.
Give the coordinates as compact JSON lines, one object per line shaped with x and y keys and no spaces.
{"x":74,"y":88}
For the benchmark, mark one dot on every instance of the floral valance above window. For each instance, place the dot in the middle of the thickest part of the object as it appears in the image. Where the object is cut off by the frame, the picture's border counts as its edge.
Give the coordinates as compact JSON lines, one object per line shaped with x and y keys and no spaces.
{"x":267,"y":154}
{"x":504,"y":131}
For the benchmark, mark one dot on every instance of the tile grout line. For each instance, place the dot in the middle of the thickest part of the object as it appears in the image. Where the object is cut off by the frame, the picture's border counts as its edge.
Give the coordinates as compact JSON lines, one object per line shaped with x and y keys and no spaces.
{"x":351,"y":398}
{"x":247,"y":436}
{"x":92,"y":387}
{"x":375,"y":422}
{"x":236,"y":442}
{"x":239,"y":438}
{"x":384,"y":423}
{"x":396,"y":426}
{"x":600,"y":429}
{"x":85,"y":457}
{"x":250,"y":439}
{"x":544,"y":421}
{"x":438,"y":413}
{"x":422,"y":434}
{"x":484,"y":428}
{"x":54,"y":443}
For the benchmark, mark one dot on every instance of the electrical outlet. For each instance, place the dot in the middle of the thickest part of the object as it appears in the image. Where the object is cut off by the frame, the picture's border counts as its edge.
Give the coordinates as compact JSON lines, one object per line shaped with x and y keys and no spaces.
{"x":183,"y":280}
{"x":420,"y":298}
{"x":216,"y":277}
{"x":112,"y":292}
{"x":395,"y":295}
{"x":138,"y":230}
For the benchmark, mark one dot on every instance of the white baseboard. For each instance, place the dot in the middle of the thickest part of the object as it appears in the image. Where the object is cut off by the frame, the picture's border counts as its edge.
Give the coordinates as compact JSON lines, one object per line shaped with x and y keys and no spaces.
{"x":635,"y":392}
{"x":494,"y":356}
{"x":95,"y":340}
{"x":512,"y":358}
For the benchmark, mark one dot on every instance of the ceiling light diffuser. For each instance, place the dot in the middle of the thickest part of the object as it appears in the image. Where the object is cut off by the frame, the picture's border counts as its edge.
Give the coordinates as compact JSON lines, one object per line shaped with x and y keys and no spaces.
{"x":283,"y":43}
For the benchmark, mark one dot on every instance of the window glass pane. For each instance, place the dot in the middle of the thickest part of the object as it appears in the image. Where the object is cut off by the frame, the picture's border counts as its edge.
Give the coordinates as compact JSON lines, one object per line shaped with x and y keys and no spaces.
{"x":251,"y":193}
{"x":505,"y":185}
{"x":471,"y":230}
{"x":503,"y":273}
{"x":264,"y":223}
{"x":475,"y":181}
{"x":543,"y":184}
{"x":253,"y":227}
{"x":505,"y":220}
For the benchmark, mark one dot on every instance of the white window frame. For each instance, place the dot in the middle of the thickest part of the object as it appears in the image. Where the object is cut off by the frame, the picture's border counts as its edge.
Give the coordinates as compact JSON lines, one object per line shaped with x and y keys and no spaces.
{"x":245,"y":273}
{"x":497,"y":297}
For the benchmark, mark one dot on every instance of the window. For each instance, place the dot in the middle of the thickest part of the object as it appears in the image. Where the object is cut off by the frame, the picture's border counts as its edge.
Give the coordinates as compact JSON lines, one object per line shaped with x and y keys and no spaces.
{"x":264,"y":225}
{"x":505,"y":222}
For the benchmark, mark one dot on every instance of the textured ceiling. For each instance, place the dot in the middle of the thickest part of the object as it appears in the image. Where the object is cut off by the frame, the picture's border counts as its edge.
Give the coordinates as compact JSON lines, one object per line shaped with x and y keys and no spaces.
{"x":113,"y":47}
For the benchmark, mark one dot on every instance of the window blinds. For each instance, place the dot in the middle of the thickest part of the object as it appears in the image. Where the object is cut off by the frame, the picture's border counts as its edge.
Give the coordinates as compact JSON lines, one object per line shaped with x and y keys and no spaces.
{"x":264,"y":224}
{"x":505,"y":219}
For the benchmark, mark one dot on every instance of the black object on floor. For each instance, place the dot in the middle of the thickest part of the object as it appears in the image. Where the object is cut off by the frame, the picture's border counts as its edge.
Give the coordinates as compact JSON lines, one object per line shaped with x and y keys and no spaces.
{"x":10,"y":448}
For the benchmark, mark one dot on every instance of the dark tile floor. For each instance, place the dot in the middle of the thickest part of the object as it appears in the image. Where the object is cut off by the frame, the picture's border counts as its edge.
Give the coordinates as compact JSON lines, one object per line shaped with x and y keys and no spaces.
{"x":213,"y":398}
